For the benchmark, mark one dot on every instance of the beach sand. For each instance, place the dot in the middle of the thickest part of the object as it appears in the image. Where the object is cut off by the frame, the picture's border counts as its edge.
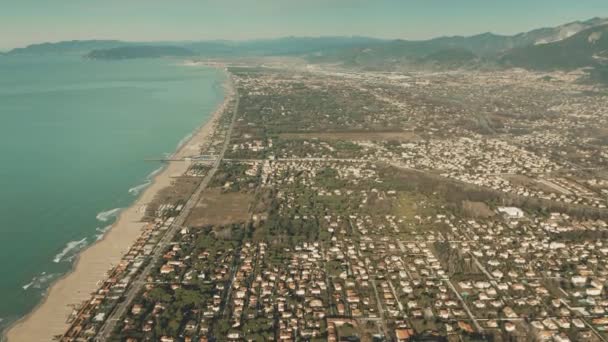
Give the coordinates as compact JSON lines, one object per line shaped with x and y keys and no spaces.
{"x":48,"y":319}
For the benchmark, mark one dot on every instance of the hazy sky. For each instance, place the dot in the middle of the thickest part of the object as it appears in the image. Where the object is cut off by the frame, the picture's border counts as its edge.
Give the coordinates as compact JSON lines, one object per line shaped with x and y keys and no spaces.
{"x":27,"y":21}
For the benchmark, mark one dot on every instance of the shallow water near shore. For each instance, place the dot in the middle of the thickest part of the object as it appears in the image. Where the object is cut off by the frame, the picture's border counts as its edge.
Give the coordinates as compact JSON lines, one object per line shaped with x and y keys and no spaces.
{"x":74,"y":136}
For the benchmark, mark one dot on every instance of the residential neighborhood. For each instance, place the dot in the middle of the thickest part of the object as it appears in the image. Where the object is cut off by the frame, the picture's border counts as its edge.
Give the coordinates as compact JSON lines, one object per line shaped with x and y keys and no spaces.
{"x":335,"y":220}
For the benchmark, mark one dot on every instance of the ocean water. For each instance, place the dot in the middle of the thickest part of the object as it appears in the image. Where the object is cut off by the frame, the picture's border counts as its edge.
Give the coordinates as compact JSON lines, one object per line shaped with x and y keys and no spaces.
{"x":74,"y":136}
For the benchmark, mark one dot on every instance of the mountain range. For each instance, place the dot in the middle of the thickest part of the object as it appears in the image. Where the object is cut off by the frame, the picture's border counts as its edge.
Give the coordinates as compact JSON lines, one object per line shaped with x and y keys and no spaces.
{"x":109,"y":49}
{"x":140,"y":51}
{"x":536,"y":49}
{"x":570,"y":46}
{"x":587,"y":48}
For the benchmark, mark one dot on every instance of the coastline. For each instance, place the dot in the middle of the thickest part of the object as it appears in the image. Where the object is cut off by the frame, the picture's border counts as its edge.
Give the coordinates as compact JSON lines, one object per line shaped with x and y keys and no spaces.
{"x":48,"y":318}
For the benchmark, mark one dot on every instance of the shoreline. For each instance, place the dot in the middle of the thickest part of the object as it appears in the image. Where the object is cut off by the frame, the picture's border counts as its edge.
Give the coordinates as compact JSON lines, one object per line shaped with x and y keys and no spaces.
{"x":49,"y":317}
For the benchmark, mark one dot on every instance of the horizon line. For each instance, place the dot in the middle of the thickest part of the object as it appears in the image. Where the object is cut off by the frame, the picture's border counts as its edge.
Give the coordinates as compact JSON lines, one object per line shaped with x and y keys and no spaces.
{"x":291,"y":36}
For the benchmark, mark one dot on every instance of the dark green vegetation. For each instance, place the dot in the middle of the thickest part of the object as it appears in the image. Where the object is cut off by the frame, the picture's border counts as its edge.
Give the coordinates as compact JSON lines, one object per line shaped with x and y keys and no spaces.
{"x":452,"y":57}
{"x":600,"y":74}
{"x":167,"y":309}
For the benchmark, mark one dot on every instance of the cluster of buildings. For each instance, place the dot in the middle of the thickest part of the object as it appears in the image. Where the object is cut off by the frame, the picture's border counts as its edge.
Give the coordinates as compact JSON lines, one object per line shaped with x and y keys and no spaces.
{"x":497,"y":165}
{"x":343,"y":246}
{"x":89,"y":316}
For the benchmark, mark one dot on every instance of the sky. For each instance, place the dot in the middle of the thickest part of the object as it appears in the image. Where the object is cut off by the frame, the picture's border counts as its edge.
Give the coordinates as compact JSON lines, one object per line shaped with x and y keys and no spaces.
{"x":24,"y":22}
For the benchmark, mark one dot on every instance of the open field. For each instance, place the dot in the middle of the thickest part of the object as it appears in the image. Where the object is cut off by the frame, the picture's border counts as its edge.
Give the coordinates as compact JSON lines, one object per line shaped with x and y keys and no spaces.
{"x":217,"y":208}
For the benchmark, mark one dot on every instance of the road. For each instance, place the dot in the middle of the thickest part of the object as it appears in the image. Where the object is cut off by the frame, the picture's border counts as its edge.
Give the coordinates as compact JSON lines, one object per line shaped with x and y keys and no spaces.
{"x":349,"y":160}
{"x":464,"y":305}
{"x":380,"y":309}
{"x":136,"y":285}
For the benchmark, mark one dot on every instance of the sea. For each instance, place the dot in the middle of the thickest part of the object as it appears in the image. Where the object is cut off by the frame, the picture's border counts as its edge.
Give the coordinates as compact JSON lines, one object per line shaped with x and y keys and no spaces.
{"x":75,"y":137}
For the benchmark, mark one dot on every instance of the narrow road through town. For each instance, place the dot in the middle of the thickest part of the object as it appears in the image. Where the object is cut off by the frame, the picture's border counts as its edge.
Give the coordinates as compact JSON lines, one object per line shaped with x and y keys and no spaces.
{"x":136,"y":285}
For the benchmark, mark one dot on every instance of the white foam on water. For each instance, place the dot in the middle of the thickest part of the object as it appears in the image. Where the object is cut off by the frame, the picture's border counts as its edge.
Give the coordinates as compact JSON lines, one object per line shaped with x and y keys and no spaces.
{"x":43,"y":279}
{"x":39,"y":281}
{"x":154,"y":173}
{"x":71,"y":246}
{"x":184,"y":140}
{"x":136,"y":190}
{"x":102,"y":232}
{"x":104,"y":216}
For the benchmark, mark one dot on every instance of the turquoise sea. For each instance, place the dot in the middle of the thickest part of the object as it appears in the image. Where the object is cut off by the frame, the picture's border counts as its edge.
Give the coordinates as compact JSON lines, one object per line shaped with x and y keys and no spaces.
{"x":74,"y":136}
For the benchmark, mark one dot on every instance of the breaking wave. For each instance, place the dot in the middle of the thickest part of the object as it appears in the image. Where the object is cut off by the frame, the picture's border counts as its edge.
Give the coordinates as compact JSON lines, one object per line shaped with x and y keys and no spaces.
{"x":39,"y":281}
{"x":136,"y":190}
{"x":154,"y":173}
{"x":102,"y":232}
{"x":184,"y":140}
{"x":70,"y":247}
{"x":104,"y":216}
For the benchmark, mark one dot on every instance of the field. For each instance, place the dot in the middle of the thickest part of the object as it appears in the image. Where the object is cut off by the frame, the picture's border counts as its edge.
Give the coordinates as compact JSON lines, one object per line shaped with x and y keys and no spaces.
{"x":217,"y":208}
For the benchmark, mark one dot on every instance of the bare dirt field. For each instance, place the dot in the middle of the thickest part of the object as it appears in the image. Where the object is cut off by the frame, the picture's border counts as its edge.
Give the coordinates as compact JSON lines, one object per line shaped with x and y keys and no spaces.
{"x":477,"y":209}
{"x":528,"y":182}
{"x":180,"y":190}
{"x":217,"y":208}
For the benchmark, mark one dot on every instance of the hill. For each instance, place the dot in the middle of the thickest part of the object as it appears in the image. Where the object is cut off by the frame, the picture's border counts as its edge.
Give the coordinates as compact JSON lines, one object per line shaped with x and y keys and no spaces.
{"x":566,"y":46}
{"x":276,"y":47}
{"x":140,"y":51}
{"x":456,"y":57}
{"x":216,"y":48}
{"x":588,"y":48}
{"x":67,"y":47}
{"x":488,"y":47}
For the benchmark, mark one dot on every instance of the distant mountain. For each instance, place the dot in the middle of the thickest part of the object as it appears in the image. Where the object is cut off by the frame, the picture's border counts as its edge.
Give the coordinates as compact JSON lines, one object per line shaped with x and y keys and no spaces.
{"x":486,"y":46}
{"x":67,"y":47}
{"x":455,"y":57}
{"x":564,"y":46}
{"x":276,"y":47}
{"x":588,"y":48}
{"x":599,"y":74}
{"x":489,"y":44}
{"x":218,"y":48}
{"x":551,"y":35}
{"x":140,"y":51}
{"x":399,"y":53}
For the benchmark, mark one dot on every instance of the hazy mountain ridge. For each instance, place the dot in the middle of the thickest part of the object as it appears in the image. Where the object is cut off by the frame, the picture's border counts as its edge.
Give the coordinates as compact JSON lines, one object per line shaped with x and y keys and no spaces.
{"x":588,"y":48}
{"x":67,"y":47}
{"x":566,"y":47}
{"x":214,"y":48}
{"x":551,"y":35}
{"x":487,"y":47}
{"x":454,"y":57}
{"x":140,"y":51}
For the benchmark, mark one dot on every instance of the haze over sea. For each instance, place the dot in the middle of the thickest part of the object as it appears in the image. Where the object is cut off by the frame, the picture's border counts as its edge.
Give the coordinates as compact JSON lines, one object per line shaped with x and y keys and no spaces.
{"x":74,"y":136}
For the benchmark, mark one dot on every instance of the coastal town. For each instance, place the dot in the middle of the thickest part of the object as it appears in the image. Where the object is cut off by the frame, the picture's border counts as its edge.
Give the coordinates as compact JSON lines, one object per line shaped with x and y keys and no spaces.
{"x":332,"y":205}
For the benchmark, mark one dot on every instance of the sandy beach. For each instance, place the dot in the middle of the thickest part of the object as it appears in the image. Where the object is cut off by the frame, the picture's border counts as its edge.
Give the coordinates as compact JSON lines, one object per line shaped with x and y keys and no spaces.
{"x":48,"y":319}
